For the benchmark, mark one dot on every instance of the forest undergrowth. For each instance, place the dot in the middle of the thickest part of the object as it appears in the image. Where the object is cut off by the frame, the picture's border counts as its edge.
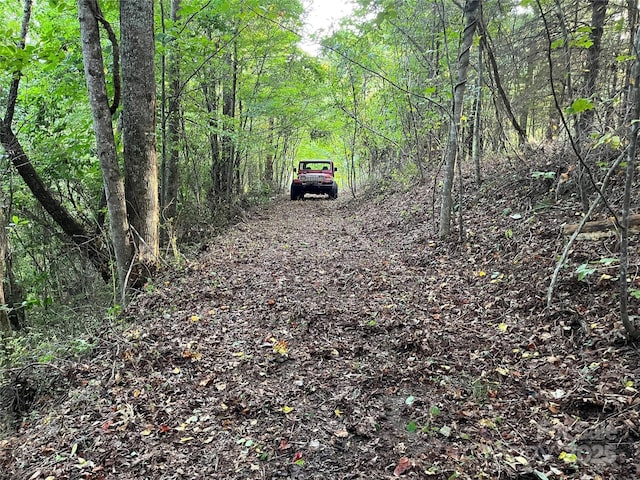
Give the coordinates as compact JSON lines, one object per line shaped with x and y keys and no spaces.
{"x":341,"y":339}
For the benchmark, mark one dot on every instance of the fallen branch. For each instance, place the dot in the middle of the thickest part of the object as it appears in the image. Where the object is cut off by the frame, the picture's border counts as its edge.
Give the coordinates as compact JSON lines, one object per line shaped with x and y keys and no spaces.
{"x":574,"y":235}
{"x":600,"y":228}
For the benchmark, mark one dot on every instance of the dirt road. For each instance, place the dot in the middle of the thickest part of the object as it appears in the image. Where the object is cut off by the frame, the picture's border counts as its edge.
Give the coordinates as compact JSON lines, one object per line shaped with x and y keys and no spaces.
{"x":332,"y":340}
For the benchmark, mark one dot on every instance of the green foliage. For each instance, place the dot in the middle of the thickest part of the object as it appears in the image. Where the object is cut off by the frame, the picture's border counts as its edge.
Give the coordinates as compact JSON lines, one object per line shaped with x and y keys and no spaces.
{"x":584,"y":271}
{"x":609,"y":139}
{"x":580,"y":105}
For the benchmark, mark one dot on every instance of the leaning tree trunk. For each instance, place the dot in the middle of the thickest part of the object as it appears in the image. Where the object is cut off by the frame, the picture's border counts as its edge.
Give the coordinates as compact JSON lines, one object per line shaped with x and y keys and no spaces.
{"x":522,"y":135}
{"x":471,"y":15}
{"x":87,"y":244}
{"x":138,"y":129}
{"x":88,"y":14}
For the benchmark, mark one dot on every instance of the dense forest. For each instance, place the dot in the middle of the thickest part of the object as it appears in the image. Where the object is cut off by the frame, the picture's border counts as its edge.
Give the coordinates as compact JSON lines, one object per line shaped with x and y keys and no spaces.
{"x":134,"y":132}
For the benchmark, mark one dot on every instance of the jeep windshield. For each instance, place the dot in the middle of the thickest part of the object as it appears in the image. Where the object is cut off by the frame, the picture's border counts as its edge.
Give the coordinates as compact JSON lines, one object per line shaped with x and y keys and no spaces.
{"x":315,"y":166}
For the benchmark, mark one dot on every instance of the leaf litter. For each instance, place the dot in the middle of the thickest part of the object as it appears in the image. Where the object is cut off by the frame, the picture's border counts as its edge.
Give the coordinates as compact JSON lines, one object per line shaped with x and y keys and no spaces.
{"x":342,"y":340}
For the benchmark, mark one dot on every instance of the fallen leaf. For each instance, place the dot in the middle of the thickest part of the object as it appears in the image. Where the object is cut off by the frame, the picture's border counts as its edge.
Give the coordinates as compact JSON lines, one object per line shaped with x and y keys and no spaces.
{"x":341,"y":433}
{"x":194,"y":356}
{"x":281,"y":347}
{"x":404,"y":464}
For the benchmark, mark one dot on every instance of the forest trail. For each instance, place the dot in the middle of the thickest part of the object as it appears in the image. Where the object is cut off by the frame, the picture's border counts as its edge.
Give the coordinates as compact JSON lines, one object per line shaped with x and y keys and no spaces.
{"x":335,"y":340}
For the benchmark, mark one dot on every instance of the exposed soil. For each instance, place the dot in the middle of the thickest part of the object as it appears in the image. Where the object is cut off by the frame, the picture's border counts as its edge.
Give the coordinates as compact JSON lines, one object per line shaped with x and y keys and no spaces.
{"x":341,"y":340}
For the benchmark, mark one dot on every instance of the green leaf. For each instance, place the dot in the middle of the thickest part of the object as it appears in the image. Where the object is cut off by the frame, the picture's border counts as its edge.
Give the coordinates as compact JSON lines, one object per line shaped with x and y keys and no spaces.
{"x":580,"y":105}
{"x":411,"y":427}
{"x":410,"y":400}
{"x":625,"y":58}
{"x":584,"y":270}
{"x":582,"y":41}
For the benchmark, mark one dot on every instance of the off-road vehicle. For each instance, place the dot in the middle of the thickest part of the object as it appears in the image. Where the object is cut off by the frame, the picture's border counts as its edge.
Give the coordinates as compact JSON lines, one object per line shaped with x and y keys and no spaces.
{"x":315,"y":177}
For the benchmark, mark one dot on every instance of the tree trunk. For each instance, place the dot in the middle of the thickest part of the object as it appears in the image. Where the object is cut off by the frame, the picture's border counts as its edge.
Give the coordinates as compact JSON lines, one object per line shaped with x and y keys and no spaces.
{"x":105,"y":141}
{"x":477,"y":123}
{"x":170,"y":180}
{"x":13,"y":90}
{"x":5,"y":326}
{"x":598,"y":13}
{"x":228,"y":150}
{"x":138,"y":128}
{"x":270,"y":156}
{"x":629,"y":324}
{"x":522,"y":135}
{"x":212,"y":101}
{"x":471,"y":15}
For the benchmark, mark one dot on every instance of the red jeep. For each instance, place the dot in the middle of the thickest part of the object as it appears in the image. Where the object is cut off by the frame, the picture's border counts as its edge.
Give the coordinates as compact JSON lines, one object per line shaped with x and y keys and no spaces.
{"x":314,"y":176}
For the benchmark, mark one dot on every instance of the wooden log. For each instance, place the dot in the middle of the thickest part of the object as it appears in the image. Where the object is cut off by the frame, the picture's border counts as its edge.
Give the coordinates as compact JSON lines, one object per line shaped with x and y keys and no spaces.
{"x":601,"y":228}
